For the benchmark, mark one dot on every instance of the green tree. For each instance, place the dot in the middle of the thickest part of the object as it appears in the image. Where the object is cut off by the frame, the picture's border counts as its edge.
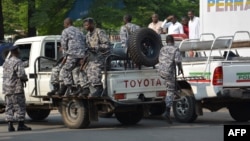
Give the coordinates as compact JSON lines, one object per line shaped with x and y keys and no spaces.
{"x":49,"y":15}
{"x":1,"y":22}
{"x":108,"y":13}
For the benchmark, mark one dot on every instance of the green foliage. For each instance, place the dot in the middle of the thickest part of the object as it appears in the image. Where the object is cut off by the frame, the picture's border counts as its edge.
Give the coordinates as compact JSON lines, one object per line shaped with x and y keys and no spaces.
{"x":49,"y":14}
{"x":108,"y":13}
{"x":48,"y":17}
{"x":12,"y":16}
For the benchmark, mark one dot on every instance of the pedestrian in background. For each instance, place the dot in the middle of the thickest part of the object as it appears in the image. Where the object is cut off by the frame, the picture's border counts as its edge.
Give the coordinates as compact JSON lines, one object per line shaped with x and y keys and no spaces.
{"x":184,"y":22}
{"x":14,"y":81}
{"x":172,"y":25}
{"x":156,"y":24}
{"x":169,"y":57}
{"x":194,"y":25}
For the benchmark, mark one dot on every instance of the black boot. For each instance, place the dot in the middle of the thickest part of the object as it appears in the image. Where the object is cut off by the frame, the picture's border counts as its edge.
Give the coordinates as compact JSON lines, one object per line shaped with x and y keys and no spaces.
{"x":98,"y":91}
{"x":84,"y":92}
{"x":10,"y":126}
{"x":55,"y":89}
{"x":22,"y":126}
{"x":166,"y":115}
{"x":62,"y":90}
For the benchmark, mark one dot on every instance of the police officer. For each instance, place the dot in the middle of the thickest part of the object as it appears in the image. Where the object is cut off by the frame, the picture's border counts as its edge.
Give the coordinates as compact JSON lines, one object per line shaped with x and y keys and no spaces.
{"x":127,"y":29}
{"x":99,"y":48}
{"x":14,"y":81}
{"x":74,"y":47}
{"x":168,"y":59}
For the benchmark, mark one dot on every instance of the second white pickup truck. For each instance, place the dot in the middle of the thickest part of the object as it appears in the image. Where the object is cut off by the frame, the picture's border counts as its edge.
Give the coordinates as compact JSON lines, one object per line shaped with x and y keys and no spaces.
{"x":218,"y":76}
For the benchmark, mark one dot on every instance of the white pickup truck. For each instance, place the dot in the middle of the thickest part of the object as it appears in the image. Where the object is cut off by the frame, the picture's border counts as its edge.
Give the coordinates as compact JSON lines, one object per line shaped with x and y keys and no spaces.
{"x":217,"y":78}
{"x":129,"y":93}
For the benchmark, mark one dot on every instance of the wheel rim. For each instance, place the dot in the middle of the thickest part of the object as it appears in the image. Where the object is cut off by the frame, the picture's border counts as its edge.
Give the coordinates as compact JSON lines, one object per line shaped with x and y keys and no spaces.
{"x":72,"y":111}
{"x":182,"y":106}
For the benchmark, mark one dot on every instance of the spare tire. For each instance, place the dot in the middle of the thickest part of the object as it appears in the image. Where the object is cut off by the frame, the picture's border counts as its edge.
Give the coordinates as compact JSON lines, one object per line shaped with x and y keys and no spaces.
{"x":144,"y":46}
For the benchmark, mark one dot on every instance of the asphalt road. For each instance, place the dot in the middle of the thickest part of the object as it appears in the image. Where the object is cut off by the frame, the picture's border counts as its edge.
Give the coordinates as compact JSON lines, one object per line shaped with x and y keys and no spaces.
{"x":208,"y":127}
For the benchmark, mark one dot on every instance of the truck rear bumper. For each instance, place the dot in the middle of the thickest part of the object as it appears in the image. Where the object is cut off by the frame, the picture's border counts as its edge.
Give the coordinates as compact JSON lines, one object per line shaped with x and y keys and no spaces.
{"x":242,"y":93}
{"x":138,"y":102}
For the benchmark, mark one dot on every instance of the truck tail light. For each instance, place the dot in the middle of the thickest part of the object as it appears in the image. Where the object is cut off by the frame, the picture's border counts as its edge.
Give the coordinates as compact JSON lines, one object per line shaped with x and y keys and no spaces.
{"x":218,"y":76}
{"x":161,"y":93}
{"x":119,"y":96}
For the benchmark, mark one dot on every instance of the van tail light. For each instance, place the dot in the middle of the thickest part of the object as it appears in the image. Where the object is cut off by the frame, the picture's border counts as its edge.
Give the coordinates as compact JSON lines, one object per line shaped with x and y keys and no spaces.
{"x":218,"y":76}
{"x":161,"y":94}
{"x":119,"y":96}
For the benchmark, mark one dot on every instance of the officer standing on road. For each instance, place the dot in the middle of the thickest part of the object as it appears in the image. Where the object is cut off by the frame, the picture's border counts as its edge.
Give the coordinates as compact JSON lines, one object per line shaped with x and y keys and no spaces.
{"x":74,"y":46}
{"x":98,"y":48}
{"x":168,"y":59}
{"x":14,"y":81}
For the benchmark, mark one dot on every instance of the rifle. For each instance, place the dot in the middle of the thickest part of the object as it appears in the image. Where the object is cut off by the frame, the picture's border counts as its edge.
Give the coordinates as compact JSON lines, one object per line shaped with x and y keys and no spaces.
{"x":84,"y":62}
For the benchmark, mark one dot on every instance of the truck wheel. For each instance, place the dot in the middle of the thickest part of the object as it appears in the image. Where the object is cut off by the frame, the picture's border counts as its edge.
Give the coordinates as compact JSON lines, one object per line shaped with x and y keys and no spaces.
{"x":38,"y":114}
{"x":157,"y":109}
{"x":75,"y":114}
{"x":130,"y":117}
{"x":144,"y":47}
{"x":240,"y":112}
{"x":184,"y":109}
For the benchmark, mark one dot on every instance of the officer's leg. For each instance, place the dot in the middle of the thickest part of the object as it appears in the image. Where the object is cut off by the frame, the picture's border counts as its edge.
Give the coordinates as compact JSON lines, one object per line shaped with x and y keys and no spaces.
{"x":94,"y":76}
{"x":169,"y":98}
{"x":84,"y":84}
{"x":20,"y":107}
{"x":9,"y":112}
{"x":66,"y":75}
{"x":54,"y":80}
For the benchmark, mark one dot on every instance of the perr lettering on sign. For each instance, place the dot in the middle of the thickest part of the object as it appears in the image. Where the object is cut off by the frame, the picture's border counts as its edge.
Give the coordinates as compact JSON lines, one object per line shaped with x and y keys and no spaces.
{"x":227,"y":5}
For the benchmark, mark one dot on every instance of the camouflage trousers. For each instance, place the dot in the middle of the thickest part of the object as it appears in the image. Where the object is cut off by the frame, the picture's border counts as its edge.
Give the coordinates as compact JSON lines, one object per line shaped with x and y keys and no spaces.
{"x":170,"y":86}
{"x":91,"y":75}
{"x":81,"y":79}
{"x":54,"y":79}
{"x":65,"y":74}
{"x":15,"y":104}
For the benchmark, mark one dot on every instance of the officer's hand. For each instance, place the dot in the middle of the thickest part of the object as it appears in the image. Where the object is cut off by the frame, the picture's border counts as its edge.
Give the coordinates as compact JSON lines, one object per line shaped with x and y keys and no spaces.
{"x":24,"y":83}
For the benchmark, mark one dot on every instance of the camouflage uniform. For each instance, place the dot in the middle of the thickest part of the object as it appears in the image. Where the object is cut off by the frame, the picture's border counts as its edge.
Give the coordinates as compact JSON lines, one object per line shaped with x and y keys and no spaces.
{"x":99,"y":49}
{"x":74,"y":45}
{"x":54,"y":79}
{"x":13,"y":88}
{"x":125,"y":31}
{"x":168,"y":58}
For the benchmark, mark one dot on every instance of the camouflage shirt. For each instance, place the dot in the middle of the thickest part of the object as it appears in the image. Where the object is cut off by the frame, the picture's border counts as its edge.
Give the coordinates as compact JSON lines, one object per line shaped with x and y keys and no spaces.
{"x":168,"y":58}
{"x":13,"y":73}
{"x":98,"y":43}
{"x":125,"y":31}
{"x":73,"y":42}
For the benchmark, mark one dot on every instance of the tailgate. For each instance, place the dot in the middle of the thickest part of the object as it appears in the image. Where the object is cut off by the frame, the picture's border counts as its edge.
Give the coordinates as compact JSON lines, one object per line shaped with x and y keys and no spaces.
{"x":236,"y":74}
{"x":135,"y":82}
